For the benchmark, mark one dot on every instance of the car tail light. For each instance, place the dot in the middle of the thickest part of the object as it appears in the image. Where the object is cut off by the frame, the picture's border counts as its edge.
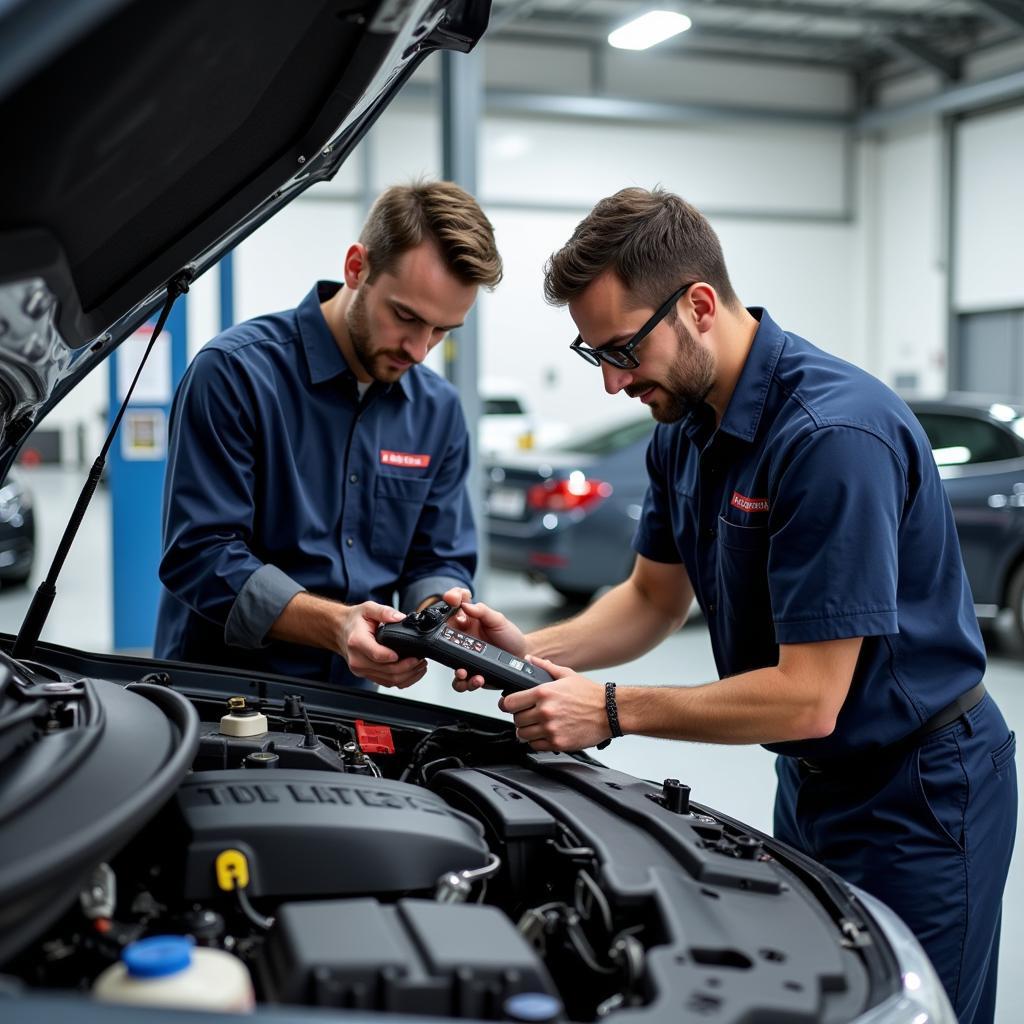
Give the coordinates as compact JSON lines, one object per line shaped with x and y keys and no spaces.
{"x":547,"y":560}
{"x":577,"y":491}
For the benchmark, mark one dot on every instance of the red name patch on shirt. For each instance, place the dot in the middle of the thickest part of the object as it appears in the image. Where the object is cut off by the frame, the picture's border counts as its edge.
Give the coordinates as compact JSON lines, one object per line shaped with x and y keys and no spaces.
{"x":745,"y":504}
{"x":404,"y":459}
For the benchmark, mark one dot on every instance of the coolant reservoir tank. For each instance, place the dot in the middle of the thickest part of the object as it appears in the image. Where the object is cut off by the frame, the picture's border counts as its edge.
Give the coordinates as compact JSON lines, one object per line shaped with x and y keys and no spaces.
{"x":168,"y":970}
{"x":243,"y":719}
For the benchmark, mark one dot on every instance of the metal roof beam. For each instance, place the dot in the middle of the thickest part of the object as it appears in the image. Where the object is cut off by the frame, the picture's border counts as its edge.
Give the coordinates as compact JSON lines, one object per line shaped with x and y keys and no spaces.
{"x":598,"y":28}
{"x":807,"y":57}
{"x":883,"y":17}
{"x":1008,"y":12}
{"x":610,"y":108}
{"x":505,"y":15}
{"x":618,"y":108}
{"x":924,"y":55}
{"x":958,"y":99}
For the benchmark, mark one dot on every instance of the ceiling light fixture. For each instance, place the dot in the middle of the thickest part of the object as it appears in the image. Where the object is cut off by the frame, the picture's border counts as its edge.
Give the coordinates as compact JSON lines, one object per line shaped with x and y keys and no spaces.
{"x":649,"y":29}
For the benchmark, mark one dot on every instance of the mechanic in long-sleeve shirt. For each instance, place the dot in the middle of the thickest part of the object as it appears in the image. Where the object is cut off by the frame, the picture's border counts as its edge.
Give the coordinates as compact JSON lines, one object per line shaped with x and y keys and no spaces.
{"x":315,"y":468}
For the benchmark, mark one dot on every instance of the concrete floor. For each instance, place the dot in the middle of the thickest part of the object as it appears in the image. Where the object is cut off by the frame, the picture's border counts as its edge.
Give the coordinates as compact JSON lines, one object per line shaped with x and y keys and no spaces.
{"x":739,"y":781}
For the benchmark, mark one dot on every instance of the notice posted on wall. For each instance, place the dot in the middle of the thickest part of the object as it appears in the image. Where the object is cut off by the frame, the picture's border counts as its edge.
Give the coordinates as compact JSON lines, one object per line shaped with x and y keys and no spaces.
{"x":144,"y":435}
{"x":154,"y":387}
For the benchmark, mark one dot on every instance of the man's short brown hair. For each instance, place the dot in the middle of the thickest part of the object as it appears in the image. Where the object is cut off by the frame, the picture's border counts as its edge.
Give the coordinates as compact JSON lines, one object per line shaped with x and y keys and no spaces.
{"x":439,"y":211}
{"x":652,"y":239}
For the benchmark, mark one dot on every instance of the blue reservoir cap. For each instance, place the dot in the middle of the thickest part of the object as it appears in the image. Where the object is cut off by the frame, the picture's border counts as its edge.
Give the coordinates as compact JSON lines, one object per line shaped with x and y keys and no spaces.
{"x":532,"y":1007}
{"x":157,"y":956}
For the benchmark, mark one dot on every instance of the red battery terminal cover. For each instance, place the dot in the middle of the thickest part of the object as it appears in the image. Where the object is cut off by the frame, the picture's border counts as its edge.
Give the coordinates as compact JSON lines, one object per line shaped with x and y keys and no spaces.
{"x":374,"y":739}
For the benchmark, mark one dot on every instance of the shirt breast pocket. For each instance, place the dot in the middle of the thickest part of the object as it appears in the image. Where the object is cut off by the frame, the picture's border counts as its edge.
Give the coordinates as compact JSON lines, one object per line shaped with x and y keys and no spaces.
{"x":743,"y":593}
{"x":398,"y":502}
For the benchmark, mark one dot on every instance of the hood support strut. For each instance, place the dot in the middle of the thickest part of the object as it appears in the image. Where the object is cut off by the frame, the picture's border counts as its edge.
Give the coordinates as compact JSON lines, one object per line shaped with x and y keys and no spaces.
{"x":35,"y":618}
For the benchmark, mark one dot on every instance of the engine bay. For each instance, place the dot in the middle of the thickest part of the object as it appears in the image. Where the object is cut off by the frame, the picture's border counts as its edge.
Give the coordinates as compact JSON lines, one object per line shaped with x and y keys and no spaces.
{"x":446,"y":870}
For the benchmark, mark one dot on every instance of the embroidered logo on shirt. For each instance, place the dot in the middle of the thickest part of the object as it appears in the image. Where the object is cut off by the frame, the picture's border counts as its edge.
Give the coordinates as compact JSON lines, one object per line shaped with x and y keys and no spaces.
{"x":389,"y":458}
{"x":745,"y":504}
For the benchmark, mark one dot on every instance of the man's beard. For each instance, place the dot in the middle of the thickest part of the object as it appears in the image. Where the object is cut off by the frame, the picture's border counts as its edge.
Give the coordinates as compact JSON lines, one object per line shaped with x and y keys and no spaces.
{"x":687,"y":382}
{"x":358,"y":324}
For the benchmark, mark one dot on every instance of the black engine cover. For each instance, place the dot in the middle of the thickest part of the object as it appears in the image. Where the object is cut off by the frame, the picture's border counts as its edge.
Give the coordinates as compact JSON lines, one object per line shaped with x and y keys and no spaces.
{"x":309,"y":833}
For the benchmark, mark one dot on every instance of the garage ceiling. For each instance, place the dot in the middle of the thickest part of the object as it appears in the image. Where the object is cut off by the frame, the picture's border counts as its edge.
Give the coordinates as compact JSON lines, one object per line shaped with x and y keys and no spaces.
{"x":873,"y":39}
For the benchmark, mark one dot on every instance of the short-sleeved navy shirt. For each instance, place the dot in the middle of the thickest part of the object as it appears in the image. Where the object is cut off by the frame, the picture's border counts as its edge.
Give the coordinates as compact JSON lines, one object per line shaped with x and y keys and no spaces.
{"x":815,"y":512}
{"x":281,"y":478}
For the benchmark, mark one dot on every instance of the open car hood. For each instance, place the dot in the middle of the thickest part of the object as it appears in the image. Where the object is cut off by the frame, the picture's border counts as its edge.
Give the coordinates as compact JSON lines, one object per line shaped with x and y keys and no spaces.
{"x":144,"y":141}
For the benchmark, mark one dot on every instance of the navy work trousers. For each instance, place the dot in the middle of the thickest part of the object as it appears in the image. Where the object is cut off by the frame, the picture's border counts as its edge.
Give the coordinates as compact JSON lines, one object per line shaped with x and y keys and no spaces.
{"x":929,"y":831}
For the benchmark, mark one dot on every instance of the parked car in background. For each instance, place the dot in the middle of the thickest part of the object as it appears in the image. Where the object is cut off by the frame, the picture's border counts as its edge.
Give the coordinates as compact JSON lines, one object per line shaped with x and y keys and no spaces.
{"x":979,"y":449}
{"x":506,"y":422}
{"x":567,"y":514}
{"x":17,"y":531}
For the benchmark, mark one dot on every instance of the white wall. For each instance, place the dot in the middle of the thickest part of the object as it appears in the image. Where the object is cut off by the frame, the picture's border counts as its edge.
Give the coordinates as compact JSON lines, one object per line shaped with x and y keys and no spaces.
{"x":278,"y":264}
{"x":905,"y":273}
{"x":731,"y":168}
{"x":990,"y":212}
{"x":906,"y":258}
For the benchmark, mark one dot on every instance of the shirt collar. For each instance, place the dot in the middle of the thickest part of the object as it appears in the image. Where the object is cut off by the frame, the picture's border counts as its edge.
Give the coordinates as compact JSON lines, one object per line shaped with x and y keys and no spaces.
{"x":743,"y":413}
{"x":323,"y":354}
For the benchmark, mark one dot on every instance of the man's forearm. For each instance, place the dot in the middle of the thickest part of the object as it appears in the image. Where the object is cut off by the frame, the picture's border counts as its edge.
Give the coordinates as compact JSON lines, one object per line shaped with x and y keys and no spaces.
{"x":621,"y":625}
{"x":762,"y":706}
{"x":310,"y":620}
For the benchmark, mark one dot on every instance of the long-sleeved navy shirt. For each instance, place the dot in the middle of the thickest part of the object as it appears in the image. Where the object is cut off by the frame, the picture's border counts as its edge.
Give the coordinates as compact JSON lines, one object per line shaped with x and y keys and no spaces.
{"x":280,"y":479}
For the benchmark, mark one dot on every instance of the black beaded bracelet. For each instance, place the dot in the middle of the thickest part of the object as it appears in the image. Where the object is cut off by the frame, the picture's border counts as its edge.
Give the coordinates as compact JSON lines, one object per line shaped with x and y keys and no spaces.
{"x":611,"y":709}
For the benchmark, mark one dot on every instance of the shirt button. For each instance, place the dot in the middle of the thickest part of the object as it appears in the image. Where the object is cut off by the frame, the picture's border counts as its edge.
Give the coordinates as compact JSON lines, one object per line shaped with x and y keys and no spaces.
{"x":353,"y":478}
{"x":711,"y":609}
{"x":349,"y":542}
{"x":711,"y":533}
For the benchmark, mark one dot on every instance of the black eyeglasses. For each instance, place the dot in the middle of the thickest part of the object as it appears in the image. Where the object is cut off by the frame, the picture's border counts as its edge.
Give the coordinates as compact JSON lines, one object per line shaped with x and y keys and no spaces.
{"x":621,"y":356}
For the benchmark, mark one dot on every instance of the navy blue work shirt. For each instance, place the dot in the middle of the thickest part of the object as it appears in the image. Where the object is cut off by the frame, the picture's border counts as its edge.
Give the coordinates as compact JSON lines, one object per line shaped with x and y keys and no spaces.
{"x":815,"y":512}
{"x":280,"y":479}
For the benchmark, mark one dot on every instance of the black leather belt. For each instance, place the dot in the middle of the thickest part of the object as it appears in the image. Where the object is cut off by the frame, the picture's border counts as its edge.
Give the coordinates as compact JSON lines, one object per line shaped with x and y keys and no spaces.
{"x":946,"y":716}
{"x":955,"y":709}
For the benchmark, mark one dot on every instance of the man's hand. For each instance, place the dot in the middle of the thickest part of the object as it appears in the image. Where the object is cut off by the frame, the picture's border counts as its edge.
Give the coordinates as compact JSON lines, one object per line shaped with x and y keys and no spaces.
{"x":477,"y":619}
{"x":568,"y":714}
{"x":357,"y":644}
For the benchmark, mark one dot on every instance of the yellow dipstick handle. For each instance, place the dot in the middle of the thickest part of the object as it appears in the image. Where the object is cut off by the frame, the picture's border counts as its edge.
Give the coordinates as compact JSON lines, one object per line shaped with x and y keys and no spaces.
{"x":232,"y":870}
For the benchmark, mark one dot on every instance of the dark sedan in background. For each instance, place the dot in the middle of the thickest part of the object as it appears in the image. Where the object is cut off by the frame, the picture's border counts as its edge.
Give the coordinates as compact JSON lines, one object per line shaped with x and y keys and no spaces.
{"x":567,"y":515}
{"x":979,"y":448}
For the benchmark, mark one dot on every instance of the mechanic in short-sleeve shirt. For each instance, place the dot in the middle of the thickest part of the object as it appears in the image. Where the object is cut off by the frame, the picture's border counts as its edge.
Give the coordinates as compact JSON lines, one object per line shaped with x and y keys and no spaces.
{"x":315,"y":468}
{"x":796,"y":497}
{"x":815,"y":512}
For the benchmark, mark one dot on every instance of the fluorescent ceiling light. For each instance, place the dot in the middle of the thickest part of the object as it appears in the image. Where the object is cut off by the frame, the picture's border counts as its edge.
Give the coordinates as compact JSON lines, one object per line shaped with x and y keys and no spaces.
{"x":649,"y":29}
